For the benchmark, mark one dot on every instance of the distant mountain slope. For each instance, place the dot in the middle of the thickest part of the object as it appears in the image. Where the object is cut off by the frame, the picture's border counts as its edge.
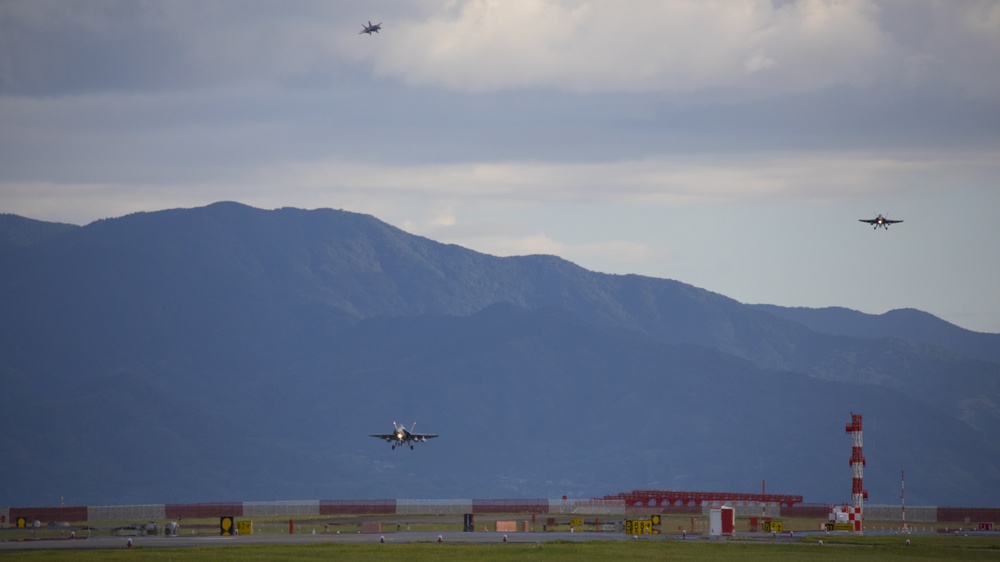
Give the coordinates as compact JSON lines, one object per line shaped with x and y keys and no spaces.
{"x":542,"y":401}
{"x":289,"y":329}
{"x":19,"y":231}
{"x":905,"y":324}
{"x":238,"y":287}
{"x":345,"y":266}
{"x":528,"y":404}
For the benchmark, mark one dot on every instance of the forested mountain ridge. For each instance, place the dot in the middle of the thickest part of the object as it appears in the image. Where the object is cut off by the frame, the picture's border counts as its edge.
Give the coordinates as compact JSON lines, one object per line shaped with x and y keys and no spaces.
{"x":293,"y":334}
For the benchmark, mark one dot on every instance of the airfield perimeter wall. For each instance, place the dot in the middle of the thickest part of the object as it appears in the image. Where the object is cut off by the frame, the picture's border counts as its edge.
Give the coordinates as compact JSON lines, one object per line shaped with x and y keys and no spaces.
{"x":598,"y":507}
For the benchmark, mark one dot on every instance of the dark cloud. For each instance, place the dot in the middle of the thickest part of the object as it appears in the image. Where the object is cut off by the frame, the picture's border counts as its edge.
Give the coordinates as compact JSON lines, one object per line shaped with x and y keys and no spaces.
{"x":110,"y":106}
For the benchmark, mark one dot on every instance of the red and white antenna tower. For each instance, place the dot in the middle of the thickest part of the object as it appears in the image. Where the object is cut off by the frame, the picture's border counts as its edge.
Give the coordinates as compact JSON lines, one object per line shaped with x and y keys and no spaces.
{"x":858,"y":493}
{"x":902,"y":499}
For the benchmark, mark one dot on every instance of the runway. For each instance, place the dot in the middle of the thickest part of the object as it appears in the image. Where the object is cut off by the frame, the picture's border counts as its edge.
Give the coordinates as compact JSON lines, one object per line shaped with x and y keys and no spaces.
{"x":187,"y":541}
{"x":183,"y":541}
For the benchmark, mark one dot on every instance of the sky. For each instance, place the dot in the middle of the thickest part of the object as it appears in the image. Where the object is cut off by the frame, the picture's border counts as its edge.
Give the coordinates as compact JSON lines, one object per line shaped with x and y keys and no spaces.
{"x":729,"y":144}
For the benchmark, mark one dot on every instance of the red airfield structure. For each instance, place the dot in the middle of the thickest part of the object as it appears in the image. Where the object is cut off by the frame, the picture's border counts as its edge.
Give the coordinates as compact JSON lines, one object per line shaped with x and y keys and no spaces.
{"x":666,"y":498}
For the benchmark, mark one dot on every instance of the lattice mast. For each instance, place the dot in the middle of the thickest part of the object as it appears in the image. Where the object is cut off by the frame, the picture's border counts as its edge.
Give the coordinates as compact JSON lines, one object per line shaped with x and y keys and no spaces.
{"x":858,"y":493}
{"x":902,"y":498}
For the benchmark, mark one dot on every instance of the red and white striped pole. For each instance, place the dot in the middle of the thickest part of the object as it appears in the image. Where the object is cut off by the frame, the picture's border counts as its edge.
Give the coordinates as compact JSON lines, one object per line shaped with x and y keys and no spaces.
{"x":858,"y":493}
{"x":902,"y":498}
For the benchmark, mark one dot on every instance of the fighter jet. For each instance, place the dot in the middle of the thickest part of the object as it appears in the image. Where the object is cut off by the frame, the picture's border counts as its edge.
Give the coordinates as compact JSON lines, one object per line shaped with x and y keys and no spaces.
{"x":369,"y":29}
{"x":401,"y":435}
{"x":879,"y":221}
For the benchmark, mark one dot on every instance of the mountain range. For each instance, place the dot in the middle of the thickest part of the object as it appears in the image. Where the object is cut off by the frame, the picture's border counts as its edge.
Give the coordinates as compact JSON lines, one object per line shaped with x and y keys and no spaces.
{"x":227,"y":353}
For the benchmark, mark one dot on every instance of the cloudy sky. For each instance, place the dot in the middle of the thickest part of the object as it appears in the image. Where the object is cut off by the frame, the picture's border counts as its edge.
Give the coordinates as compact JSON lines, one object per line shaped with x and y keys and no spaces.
{"x":730,"y":144}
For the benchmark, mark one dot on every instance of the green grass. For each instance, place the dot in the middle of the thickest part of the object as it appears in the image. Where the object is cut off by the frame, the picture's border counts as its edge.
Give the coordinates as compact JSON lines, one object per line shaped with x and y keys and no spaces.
{"x":834,"y":548}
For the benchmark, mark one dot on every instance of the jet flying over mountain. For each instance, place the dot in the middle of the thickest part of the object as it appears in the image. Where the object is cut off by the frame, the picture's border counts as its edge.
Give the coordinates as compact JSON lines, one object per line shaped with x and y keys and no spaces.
{"x":879,"y":221}
{"x":400,"y":435}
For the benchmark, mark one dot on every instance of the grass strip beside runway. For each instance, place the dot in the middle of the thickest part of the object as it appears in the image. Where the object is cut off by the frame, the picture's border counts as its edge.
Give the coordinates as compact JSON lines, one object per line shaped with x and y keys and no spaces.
{"x":873,"y":549}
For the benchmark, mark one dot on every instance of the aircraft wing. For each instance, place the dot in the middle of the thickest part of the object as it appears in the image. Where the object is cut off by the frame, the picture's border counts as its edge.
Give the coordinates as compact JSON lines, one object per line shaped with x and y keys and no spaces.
{"x":386,"y":436}
{"x":424,"y":435}
{"x":887,"y":221}
{"x":869,"y":221}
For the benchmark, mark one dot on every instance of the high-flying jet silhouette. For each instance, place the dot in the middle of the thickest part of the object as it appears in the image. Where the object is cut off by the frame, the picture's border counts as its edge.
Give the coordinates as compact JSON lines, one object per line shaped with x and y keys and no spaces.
{"x":879,"y":221}
{"x":400,"y":435}
{"x":369,"y":29}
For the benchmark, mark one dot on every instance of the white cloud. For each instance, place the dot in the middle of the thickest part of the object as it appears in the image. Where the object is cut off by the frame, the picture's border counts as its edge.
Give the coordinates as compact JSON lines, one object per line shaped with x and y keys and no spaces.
{"x":758,"y":62}
{"x":673,"y":47}
{"x":602,"y":45}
